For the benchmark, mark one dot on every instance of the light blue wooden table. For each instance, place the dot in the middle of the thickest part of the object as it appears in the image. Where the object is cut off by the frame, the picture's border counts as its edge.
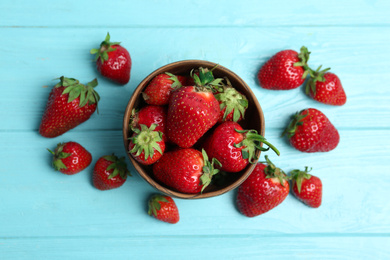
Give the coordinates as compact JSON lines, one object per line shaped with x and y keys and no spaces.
{"x":47,"y":215}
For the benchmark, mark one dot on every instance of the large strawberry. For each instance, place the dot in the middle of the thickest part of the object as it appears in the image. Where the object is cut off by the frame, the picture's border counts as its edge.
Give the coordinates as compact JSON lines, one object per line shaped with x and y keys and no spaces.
{"x":285,"y":70}
{"x":185,"y":169}
{"x":325,"y":87}
{"x":235,"y":147}
{"x":149,"y":115}
{"x":311,"y":131}
{"x":263,"y":190}
{"x":146,"y":145}
{"x":232,"y":103}
{"x":70,"y":103}
{"x":159,"y":89}
{"x":163,"y":208}
{"x":306,"y":187}
{"x":192,"y":110}
{"x":70,"y":158}
{"x":113,"y":61}
{"x":110,"y":172}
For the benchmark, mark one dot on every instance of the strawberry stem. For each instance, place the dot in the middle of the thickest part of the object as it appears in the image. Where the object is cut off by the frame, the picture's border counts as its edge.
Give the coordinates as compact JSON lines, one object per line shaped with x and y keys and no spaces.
{"x":297,"y":176}
{"x":146,"y":140}
{"x":294,"y":123}
{"x":252,"y":142}
{"x":317,"y":75}
{"x":208,"y":170}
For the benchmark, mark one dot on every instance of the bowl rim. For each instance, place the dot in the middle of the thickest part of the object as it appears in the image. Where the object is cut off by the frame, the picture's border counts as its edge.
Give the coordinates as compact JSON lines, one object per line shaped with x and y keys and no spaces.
{"x":147,"y":177}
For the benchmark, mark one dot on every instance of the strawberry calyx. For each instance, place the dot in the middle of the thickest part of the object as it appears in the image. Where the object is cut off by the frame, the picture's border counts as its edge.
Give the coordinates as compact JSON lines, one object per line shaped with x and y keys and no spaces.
{"x":75,"y":89}
{"x":58,"y":155}
{"x":154,"y":204}
{"x":118,"y":165}
{"x":208,"y":170}
{"x":294,"y":123}
{"x":232,"y":100}
{"x":317,"y":75}
{"x":146,"y":140}
{"x":252,"y":142}
{"x":303,"y":56}
{"x":105,"y":48}
{"x":204,"y":79}
{"x":297,"y":176}
{"x":176,"y":82}
{"x":271,"y":171}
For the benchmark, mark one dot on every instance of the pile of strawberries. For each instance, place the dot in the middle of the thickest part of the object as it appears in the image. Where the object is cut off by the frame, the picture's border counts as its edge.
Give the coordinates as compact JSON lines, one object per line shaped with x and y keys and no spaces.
{"x":189,"y":131}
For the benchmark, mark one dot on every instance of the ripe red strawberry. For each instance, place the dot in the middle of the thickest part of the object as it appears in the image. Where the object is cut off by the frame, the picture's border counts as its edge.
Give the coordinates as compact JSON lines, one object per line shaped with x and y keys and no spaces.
{"x":109,"y":172}
{"x":149,"y":115}
{"x":307,"y":188}
{"x":186,"y":170}
{"x":311,"y":131}
{"x":231,"y":103}
{"x":70,"y":103}
{"x":235,"y":147}
{"x":325,"y":87}
{"x":263,"y":190}
{"x":70,"y":158}
{"x":159,"y":89}
{"x":146,"y":145}
{"x":285,"y":70}
{"x":192,"y":110}
{"x":163,"y":208}
{"x":113,"y":61}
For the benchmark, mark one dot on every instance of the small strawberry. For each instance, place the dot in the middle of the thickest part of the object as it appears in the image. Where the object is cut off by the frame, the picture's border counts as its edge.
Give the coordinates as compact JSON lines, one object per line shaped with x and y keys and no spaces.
{"x":186,"y":170}
{"x":263,"y":190}
{"x":149,"y":115}
{"x":113,"y":61}
{"x":307,"y":188}
{"x":285,"y":70}
{"x":159,"y":89}
{"x":325,"y":87}
{"x":70,"y":158}
{"x":70,"y":103}
{"x":311,"y":131}
{"x":231,"y":103}
{"x":235,"y":147}
{"x":192,"y":110}
{"x":146,"y":145}
{"x":109,"y":172}
{"x":163,"y":208}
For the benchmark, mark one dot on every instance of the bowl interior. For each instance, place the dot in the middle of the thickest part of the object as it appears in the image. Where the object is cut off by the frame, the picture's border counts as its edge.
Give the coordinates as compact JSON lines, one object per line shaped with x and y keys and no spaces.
{"x":254,"y":119}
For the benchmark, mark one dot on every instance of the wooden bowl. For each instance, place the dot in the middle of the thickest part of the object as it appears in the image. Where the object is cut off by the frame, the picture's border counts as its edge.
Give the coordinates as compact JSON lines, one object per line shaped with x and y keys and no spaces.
{"x":254,"y":119}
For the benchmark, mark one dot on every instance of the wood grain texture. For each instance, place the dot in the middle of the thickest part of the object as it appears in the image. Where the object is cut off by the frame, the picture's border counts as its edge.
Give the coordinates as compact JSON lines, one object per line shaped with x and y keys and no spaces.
{"x":47,"y":215}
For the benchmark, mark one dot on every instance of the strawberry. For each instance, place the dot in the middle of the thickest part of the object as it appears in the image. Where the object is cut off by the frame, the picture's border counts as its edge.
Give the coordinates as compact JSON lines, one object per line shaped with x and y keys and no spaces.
{"x":285,"y":70}
{"x":113,"y":61}
{"x":234,"y":147}
{"x":307,"y":188}
{"x":70,"y":158}
{"x":70,"y":103}
{"x":185,"y":169}
{"x":311,"y":131}
{"x":149,"y":115}
{"x":163,"y":208}
{"x":192,"y":110}
{"x":109,"y":172}
{"x":159,"y":89}
{"x":325,"y":87}
{"x":146,"y":145}
{"x":232,"y":103}
{"x":263,"y":190}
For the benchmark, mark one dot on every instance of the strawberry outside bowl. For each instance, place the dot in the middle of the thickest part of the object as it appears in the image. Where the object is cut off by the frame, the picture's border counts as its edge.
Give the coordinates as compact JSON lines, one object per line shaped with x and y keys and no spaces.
{"x":254,"y":119}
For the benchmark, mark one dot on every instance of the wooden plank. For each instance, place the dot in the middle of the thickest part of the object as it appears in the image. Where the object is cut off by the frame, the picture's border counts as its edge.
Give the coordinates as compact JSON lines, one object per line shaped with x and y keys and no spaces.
{"x":196,"y":247}
{"x":42,"y":55}
{"x":52,"y":204}
{"x":191,"y":13}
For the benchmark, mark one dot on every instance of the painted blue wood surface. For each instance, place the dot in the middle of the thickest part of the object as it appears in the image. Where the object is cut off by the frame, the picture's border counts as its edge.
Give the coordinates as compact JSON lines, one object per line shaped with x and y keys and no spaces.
{"x":48,"y":215}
